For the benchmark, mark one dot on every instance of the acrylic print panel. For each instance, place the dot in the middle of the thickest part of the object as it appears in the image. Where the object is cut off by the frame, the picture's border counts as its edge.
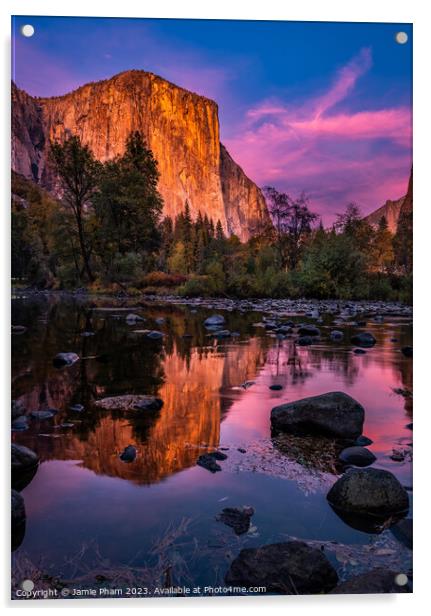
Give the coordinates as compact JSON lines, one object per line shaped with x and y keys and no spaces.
{"x":212,"y":320}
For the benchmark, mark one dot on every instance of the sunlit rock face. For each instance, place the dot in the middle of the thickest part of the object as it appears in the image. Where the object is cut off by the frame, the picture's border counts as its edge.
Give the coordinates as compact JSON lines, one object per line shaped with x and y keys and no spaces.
{"x":393,"y":211}
{"x":181,"y":128}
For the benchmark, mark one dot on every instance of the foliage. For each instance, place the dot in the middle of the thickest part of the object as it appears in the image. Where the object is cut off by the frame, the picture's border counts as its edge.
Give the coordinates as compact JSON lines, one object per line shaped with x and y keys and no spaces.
{"x":112,"y":228}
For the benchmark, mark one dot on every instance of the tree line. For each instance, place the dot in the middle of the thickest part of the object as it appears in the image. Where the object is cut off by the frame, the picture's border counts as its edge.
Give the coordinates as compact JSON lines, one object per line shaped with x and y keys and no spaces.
{"x":106,"y":231}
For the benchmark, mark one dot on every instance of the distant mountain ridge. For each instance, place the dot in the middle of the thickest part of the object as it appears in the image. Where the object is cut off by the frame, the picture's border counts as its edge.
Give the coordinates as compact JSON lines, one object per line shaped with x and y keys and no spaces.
{"x":180,"y":127}
{"x":393,"y":210}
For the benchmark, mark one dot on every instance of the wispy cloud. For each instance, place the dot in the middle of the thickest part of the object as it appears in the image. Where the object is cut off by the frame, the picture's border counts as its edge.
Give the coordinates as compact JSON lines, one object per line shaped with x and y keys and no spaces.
{"x":320,"y":146}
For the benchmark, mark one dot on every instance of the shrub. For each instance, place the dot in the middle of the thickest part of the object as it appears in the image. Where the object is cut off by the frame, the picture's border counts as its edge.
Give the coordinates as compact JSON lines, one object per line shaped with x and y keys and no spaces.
{"x":162,"y":279}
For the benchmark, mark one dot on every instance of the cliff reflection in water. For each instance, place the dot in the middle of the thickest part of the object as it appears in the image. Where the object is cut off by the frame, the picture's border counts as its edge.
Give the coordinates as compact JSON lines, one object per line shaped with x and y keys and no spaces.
{"x":187,"y":378}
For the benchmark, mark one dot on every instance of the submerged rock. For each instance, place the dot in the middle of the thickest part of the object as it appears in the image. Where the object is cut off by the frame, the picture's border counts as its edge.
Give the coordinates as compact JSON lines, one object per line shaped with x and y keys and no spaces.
{"x":17,"y":409}
{"x":130,"y":403}
{"x":214,"y":320}
{"x":208,"y":461}
{"x":237,"y":518}
{"x":407,"y":351}
{"x":132,"y":319}
{"x":336,"y":335}
{"x":309,"y":330}
{"x":363,"y":339}
{"x":128,"y":454}
{"x":376,"y":581}
{"x":334,"y":413}
{"x":45,"y":414}
{"x":363,"y":441}
{"x":358,"y":456}
{"x":18,"y":519}
{"x":155,"y":335}
{"x":369,"y":492}
{"x":22,"y":458}
{"x":76,"y":408}
{"x":20,"y":424}
{"x":305,"y":340}
{"x":64,"y":360}
{"x":285,"y":568}
{"x":403,"y":531}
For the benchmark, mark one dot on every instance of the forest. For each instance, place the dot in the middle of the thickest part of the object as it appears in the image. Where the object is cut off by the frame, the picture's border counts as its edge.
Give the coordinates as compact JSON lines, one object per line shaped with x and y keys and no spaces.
{"x":106,"y":232}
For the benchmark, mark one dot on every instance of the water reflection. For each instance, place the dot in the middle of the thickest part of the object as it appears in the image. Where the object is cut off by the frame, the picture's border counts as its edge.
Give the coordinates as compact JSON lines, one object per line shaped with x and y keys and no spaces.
{"x":84,"y":486}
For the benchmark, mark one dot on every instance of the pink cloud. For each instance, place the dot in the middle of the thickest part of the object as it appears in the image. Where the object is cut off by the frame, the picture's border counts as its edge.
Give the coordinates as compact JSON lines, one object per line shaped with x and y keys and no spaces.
{"x":335,"y":156}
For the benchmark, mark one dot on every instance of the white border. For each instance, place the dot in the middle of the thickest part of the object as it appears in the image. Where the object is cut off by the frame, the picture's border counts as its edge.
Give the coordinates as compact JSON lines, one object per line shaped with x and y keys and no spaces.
{"x":415,"y":11}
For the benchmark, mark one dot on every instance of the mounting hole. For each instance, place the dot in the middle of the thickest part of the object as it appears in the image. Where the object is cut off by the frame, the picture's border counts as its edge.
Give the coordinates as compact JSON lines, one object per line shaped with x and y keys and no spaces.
{"x":401,"y":37}
{"x":401,"y":579}
{"x":27,"y":30}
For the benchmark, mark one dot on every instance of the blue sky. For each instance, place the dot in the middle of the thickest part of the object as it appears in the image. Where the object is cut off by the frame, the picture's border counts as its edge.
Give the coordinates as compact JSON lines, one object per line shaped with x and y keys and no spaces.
{"x":320,"y":107}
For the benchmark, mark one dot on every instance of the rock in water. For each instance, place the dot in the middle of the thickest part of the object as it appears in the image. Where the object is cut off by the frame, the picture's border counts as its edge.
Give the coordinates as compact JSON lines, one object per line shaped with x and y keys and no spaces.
{"x":215,"y":319}
{"x":18,"y":409}
{"x":305,"y":340}
{"x":18,"y":518}
{"x":364,"y":339}
{"x":363,"y":441}
{"x":369,"y":492}
{"x":129,"y":454}
{"x":336,"y":335}
{"x":372,"y":582}
{"x":208,"y":461}
{"x":407,"y":351}
{"x":130,"y":403}
{"x":155,"y":335}
{"x":309,"y":330}
{"x":22,"y":458}
{"x":285,"y":568}
{"x":276,"y":387}
{"x":132,"y":319}
{"x":237,"y":518}
{"x":20,"y":424}
{"x":333,"y":414}
{"x":64,"y":360}
{"x":403,"y":531}
{"x":358,"y":456}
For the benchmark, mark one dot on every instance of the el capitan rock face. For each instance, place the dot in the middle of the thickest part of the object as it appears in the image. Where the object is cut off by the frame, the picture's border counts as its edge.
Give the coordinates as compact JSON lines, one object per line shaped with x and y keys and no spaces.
{"x":181,"y":128}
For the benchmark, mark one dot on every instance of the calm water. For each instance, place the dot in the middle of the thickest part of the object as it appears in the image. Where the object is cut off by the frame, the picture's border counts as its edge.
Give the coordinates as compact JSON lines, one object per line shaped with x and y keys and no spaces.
{"x":89,"y":513}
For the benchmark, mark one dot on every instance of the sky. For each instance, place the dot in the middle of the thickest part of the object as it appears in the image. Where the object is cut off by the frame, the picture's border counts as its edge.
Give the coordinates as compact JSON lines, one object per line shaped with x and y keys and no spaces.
{"x":320,"y":108}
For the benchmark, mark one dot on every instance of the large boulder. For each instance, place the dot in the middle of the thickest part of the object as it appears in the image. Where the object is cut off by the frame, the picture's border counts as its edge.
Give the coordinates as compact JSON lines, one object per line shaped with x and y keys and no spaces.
{"x":18,"y":518}
{"x":130,"y":402}
{"x":369,"y":492}
{"x":372,"y":582}
{"x":334,"y":414}
{"x":22,"y":458}
{"x":24,"y":464}
{"x":285,"y":568}
{"x":364,"y":339}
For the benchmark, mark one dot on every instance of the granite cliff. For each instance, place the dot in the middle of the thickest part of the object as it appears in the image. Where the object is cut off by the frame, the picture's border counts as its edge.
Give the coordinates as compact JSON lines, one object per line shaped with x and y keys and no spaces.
{"x":394,"y":210}
{"x":181,"y":128}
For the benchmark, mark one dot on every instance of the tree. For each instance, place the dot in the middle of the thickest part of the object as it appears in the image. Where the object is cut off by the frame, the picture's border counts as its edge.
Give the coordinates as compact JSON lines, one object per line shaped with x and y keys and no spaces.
{"x":78,"y":172}
{"x":128,"y":205}
{"x":381,"y":248}
{"x":292,"y":221}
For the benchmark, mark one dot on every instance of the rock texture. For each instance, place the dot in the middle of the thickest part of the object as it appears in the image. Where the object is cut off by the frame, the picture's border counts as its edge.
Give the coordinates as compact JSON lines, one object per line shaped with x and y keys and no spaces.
{"x":181,"y":128}
{"x":334,"y":414}
{"x":394,"y":211}
{"x":286,"y":568}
